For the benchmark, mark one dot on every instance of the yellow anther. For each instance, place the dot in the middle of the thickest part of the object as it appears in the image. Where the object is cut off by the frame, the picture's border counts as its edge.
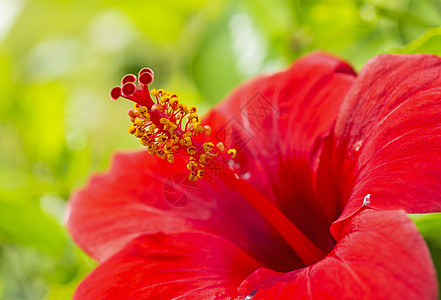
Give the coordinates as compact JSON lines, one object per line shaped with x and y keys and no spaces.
{"x":192,"y":164}
{"x":139,"y":122}
{"x":138,"y":132}
{"x":164,"y":121}
{"x":132,"y":129}
{"x":160,"y":153}
{"x":192,"y":109}
{"x":143,"y":111}
{"x":174,"y":101}
{"x":147,"y":135}
{"x":232,"y":152}
{"x":165,"y":99}
{"x":182,"y":107}
{"x":200,"y":173}
{"x":162,"y":139}
{"x":154,"y":92}
{"x":152,"y":149}
{"x":168,"y":147}
{"x":198,"y":128}
{"x":147,"y":142}
{"x":152,"y":128}
{"x":208,"y":146}
{"x":173,"y":139}
{"x":186,"y":141}
{"x":170,"y":127}
{"x":170,"y":158}
{"x":195,"y":118}
{"x":202,"y":158}
{"x":220,"y":146}
{"x":191,"y":150}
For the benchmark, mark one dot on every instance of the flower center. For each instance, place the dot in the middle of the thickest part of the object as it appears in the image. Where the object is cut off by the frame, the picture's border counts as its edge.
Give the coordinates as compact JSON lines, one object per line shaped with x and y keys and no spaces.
{"x":305,"y":249}
{"x":169,"y":128}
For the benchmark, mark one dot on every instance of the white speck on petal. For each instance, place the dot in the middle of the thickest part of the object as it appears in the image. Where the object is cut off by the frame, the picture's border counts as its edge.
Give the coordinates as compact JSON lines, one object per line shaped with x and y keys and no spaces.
{"x":358,"y":146}
{"x":231,"y":164}
{"x":367,"y":199}
{"x":246,"y":175}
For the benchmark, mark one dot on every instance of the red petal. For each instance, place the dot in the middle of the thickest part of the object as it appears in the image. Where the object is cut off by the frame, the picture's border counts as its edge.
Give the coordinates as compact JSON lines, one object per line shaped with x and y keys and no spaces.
{"x":388,"y":135}
{"x":133,"y":200}
{"x":380,"y":255}
{"x":279,"y":123}
{"x":186,"y":265}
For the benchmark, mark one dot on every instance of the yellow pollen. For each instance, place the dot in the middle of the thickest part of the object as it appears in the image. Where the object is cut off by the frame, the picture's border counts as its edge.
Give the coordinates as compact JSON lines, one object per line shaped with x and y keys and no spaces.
{"x":132,"y":129}
{"x":198,"y":128}
{"x":201,"y":173}
{"x":186,"y":141}
{"x":145,"y":142}
{"x":168,"y":147}
{"x":160,"y":153}
{"x":191,"y":150}
{"x":152,"y":129}
{"x":232,"y":152}
{"x":192,"y":109}
{"x":208,"y":146}
{"x":152,"y":149}
{"x":138,"y":122}
{"x":173,"y":139}
{"x":174,"y":102}
{"x":139,"y":133}
{"x":162,"y":139}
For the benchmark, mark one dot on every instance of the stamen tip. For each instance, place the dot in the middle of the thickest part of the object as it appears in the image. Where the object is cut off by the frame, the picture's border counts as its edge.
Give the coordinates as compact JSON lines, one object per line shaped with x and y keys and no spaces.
{"x":128,"y":78}
{"x":145,"y":78}
{"x":115,"y":93}
{"x":146,"y":70}
{"x":128,"y":89}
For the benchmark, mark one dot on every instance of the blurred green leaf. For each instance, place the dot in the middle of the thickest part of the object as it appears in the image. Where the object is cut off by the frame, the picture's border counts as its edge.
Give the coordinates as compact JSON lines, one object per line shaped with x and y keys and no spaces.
{"x":429,"y":225}
{"x":429,"y":42}
{"x":23,"y":222}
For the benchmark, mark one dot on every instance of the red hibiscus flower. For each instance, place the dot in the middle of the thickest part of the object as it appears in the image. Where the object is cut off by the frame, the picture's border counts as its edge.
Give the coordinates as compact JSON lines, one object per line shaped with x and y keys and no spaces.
{"x":313,"y":206}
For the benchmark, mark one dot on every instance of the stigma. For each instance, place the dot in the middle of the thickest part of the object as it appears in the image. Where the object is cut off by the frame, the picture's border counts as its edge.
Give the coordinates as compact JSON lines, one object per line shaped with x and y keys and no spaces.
{"x":167,"y":127}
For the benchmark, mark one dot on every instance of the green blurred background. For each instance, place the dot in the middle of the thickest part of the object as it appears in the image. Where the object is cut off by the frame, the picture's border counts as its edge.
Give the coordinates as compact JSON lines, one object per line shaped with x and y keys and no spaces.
{"x":59,"y":59}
